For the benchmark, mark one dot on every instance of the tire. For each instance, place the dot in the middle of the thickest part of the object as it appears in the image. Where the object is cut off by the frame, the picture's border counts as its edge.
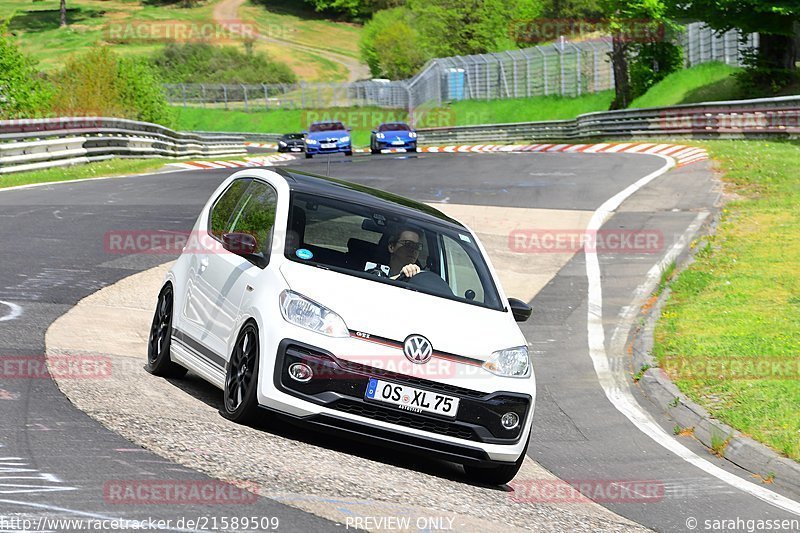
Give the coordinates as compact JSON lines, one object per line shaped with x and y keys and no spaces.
{"x":239,"y":398}
{"x":373,"y":150}
{"x":159,"y":342}
{"x":309,"y":156}
{"x":348,"y":153}
{"x":496,"y":475}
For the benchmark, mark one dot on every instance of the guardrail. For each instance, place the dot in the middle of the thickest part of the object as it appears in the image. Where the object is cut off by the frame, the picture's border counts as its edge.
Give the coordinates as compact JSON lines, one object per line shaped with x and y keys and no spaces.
{"x":766,"y":117}
{"x":44,"y":143}
{"x":247,"y":136}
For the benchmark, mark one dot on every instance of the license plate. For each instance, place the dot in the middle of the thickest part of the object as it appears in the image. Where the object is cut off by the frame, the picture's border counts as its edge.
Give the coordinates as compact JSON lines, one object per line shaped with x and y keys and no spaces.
{"x":328,"y":145}
{"x":296,"y":149}
{"x":398,"y":143}
{"x":411,"y":399}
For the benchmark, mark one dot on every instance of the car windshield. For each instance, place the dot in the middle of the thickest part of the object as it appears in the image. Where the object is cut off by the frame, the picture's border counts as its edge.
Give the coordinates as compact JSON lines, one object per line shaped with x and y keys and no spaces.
{"x":394,"y":127}
{"x":355,"y":239}
{"x":327,"y":126}
{"x":292,"y":136}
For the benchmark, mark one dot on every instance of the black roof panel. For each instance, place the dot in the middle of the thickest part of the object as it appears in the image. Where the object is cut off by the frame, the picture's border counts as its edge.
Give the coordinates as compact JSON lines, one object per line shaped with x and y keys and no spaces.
{"x":345,"y":190}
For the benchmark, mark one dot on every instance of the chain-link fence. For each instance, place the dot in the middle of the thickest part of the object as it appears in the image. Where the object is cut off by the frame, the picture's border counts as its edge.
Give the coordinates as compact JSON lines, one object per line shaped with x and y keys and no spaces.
{"x":561,"y":69}
{"x":701,"y":44}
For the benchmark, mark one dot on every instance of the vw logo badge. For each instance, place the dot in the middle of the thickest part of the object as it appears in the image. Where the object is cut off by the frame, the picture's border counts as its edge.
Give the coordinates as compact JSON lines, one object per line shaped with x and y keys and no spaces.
{"x":418,"y":349}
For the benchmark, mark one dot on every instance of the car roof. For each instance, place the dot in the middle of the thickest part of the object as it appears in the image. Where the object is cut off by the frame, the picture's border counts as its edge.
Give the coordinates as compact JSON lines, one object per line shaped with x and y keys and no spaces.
{"x":363,"y":195}
{"x":327,"y":122}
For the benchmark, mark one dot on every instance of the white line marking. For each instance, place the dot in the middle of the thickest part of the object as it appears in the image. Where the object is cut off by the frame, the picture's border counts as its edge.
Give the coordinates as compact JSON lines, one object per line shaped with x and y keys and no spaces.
{"x":15,"y":311}
{"x":618,"y":391}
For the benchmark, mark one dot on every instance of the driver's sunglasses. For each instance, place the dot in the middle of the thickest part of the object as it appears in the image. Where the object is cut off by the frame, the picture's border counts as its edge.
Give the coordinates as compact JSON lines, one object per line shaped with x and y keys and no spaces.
{"x":411,"y":245}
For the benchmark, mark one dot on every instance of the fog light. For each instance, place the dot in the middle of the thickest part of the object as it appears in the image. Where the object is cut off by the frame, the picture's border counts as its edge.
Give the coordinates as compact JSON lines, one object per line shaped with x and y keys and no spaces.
{"x":510,"y":420}
{"x":300,"y":372}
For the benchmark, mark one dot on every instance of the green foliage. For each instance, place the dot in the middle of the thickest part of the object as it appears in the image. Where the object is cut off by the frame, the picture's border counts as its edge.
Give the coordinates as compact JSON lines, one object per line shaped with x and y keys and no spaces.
{"x":389,"y":45}
{"x":396,"y":42}
{"x":762,"y":76}
{"x":572,"y":9}
{"x":352,"y":9}
{"x":204,"y":63}
{"x":101,"y":83}
{"x":23,"y":93}
{"x":653,"y":62}
{"x":774,"y":66}
{"x":774,"y":17}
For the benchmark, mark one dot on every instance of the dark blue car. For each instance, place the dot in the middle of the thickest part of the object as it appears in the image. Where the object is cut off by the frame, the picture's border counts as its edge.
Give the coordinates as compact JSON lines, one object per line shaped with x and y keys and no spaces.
{"x":328,"y":137}
{"x":393,"y":135}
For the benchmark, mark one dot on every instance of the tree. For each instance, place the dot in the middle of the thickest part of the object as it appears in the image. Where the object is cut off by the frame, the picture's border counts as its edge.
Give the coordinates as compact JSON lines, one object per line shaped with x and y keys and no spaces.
{"x":101,"y":83}
{"x":632,"y":23}
{"x":63,"y":13}
{"x":390,"y":45}
{"x":23,"y":92}
{"x":776,"y":22}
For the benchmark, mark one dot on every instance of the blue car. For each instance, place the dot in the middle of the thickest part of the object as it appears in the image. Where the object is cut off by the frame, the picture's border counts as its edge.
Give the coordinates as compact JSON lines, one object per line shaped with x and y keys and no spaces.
{"x":393,"y":135}
{"x":328,"y":137}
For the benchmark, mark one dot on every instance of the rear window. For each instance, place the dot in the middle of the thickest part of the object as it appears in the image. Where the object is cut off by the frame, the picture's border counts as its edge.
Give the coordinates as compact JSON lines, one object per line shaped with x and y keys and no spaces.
{"x":375,"y":244}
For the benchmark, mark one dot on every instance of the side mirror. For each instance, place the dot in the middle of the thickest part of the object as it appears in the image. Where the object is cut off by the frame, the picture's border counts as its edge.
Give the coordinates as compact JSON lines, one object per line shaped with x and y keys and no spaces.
{"x":240,"y":243}
{"x":374,"y":131}
{"x":519,"y":309}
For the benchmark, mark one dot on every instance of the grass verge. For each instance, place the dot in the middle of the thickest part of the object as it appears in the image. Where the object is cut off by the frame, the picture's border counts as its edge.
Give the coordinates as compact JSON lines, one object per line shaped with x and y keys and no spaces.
{"x":112,"y":167}
{"x":729,"y":334}
{"x":363,"y":119}
{"x":708,"y":82}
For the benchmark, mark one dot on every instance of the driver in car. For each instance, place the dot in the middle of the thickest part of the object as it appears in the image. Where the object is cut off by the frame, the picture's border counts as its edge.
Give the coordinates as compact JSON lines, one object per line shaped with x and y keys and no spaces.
{"x":404,"y":248}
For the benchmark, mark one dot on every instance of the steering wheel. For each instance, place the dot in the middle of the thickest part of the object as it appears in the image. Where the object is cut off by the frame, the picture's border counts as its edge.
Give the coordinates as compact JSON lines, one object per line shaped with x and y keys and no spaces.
{"x":427,"y":280}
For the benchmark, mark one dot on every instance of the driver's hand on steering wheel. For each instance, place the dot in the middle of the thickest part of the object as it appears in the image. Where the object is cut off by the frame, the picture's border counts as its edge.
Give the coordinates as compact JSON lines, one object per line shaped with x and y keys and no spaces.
{"x":409,"y":271}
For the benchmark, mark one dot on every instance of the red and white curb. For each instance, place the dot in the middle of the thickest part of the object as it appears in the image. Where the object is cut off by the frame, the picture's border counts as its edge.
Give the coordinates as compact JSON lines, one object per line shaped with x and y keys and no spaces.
{"x":272,"y":146}
{"x":683,"y":155}
{"x":260,"y":161}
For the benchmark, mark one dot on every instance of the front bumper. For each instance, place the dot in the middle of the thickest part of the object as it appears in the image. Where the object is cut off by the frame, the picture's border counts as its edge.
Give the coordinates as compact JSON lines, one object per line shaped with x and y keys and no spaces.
{"x":338,"y":387}
{"x":297,"y":148}
{"x":387,"y":145}
{"x":317,"y":149}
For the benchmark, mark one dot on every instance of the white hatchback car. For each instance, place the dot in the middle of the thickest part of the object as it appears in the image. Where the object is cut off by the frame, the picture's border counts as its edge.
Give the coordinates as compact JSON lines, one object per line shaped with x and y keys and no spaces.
{"x":293,"y":295}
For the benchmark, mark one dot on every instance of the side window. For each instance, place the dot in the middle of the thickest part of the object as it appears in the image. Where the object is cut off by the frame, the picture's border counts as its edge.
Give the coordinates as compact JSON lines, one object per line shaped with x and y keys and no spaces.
{"x":255,"y":215}
{"x":462,"y":276}
{"x":223,"y":209}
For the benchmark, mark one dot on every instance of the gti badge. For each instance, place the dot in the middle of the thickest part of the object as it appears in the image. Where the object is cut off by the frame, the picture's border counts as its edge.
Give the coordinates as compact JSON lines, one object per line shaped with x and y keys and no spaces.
{"x":418,"y":349}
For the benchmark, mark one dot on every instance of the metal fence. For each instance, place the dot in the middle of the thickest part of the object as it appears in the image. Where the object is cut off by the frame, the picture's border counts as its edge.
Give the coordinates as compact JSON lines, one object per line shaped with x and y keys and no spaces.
{"x":563,"y":69}
{"x":776,"y":118}
{"x":33,"y":144}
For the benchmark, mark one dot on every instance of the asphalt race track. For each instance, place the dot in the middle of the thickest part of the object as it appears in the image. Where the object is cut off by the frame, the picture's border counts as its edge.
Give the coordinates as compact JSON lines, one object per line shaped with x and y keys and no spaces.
{"x":55,"y":461}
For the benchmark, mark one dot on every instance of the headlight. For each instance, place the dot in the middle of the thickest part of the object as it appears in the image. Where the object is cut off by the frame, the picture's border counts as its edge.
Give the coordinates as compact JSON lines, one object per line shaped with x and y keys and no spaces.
{"x":413,"y":134}
{"x":302,"y":312}
{"x":380,"y":135}
{"x":344,"y":139}
{"x":511,"y":362}
{"x":311,"y":141}
{"x":281,"y":143}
